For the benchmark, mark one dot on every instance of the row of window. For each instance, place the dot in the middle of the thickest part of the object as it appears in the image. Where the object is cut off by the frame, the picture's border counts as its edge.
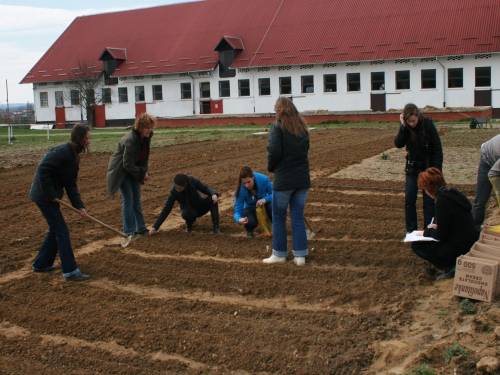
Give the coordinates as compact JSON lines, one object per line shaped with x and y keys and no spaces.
{"x":402,"y":77}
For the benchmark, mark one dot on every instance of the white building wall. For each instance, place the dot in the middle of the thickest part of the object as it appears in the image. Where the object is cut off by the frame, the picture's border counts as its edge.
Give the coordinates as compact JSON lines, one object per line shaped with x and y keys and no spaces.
{"x":173,"y":106}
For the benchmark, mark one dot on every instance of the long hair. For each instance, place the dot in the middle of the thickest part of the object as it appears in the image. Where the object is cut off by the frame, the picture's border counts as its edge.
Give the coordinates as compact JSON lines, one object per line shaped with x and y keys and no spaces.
{"x":431,"y":180}
{"x":245,"y":172}
{"x":77,"y":139}
{"x":409,"y":110}
{"x":289,"y":118}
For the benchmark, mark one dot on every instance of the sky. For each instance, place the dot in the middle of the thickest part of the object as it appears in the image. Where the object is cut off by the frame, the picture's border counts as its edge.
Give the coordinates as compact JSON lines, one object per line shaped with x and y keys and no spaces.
{"x":28,"y":29}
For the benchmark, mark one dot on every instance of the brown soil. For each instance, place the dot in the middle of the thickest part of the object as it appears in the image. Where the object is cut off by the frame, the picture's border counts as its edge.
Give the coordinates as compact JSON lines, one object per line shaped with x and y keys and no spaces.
{"x":198,"y":303}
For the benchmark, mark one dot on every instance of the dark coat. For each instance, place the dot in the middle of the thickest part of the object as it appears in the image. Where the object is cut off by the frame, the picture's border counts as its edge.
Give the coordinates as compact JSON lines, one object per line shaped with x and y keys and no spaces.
{"x":423,"y":144}
{"x":57,"y":170}
{"x":188,"y":198}
{"x":130,"y":158}
{"x":455,"y":227}
{"x":288,"y":159}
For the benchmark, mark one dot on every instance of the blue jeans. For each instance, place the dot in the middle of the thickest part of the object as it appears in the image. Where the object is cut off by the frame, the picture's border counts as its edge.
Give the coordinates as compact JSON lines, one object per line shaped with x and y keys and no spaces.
{"x":411,"y":191}
{"x":56,"y":241}
{"x":297,"y":201}
{"x":133,"y":219}
{"x":483,"y":192}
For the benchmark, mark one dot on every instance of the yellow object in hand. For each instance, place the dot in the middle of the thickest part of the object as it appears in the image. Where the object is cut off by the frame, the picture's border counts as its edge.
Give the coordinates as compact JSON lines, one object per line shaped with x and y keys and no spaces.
{"x":494,"y":228}
{"x":263,"y":220}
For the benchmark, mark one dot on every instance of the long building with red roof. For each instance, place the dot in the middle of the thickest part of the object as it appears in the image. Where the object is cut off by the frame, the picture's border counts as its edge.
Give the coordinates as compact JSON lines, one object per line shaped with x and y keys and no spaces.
{"x":236,"y":57}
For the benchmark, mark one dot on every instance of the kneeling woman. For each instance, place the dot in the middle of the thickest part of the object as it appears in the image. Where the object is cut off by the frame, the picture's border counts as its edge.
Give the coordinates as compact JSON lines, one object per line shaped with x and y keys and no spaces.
{"x":453,"y":225}
{"x":254,"y":190}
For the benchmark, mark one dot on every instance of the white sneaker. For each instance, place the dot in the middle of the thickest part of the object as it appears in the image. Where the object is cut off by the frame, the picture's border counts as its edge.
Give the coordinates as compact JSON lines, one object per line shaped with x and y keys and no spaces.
{"x":300,"y":261}
{"x":274,"y":259}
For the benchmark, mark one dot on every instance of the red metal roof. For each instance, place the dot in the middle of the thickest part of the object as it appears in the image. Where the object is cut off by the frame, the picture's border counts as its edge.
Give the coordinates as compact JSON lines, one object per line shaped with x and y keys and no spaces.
{"x":182,"y":37}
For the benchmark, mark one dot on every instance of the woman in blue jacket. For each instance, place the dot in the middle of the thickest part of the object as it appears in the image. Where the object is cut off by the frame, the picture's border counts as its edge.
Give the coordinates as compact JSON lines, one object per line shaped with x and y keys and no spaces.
{"x":254,"y":190}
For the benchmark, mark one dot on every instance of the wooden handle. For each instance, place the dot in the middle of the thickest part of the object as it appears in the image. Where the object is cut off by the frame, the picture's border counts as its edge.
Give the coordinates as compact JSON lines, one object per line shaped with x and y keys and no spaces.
{"x":92,"y":218}
{"x":308,"y":224}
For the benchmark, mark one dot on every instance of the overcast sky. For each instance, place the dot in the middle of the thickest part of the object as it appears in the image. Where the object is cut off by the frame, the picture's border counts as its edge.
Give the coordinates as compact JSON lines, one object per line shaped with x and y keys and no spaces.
{"x":28,"y":29}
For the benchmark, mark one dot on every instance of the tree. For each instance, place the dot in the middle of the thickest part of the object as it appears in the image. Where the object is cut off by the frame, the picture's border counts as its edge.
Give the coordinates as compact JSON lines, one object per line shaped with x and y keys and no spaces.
{"x":86,"y":79}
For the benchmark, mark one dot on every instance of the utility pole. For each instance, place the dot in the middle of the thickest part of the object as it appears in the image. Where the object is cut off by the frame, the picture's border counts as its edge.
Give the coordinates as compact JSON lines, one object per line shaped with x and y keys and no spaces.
{"x":10,"y":132}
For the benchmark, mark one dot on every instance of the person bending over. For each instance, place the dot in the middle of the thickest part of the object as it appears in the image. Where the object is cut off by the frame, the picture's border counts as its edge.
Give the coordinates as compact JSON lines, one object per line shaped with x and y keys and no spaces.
{"x":186,"y":190}
{"x":488,"y":177}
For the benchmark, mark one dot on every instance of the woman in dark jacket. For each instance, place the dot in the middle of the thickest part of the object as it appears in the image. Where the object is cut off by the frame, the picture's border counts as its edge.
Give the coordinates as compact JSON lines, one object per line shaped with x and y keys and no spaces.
{"x":453,"y":225}
{"x":128,"y":169}
{"x":58,"y":171}
{"x":186,"y":190}
{"x":288,"y":150}
{"x":424,"y":150}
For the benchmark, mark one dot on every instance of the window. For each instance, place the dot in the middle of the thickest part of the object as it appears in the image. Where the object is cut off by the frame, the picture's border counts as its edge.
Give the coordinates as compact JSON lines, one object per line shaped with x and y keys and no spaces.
{"x":483,"y":76}
{"x":244,"y":87}
{"x":122,"y":95}
{"x":378,"y":81}
{"x":186,"y":90}
{"x":264,"y":86}
{"x":330,"y":83}
{"x":139,"y":94}
{"x":307,"y":84}
{"x":224,"y":89}
{"x":75,"y":97}
{"x":428,"y":78}
{"x":44,"y":99}
{"x":59,"y":98}
{"x":157,"y":92}
{"x":106,"y":95}
{"x":204,"y":89}
{"x":455,"y":77}
{"x":353,"y":82}
{"x":402,"y":80}
{"x":285,"y":85}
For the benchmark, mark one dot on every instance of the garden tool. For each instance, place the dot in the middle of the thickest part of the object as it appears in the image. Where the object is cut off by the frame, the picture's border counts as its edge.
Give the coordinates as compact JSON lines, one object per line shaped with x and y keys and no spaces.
{"x":127,"y":239}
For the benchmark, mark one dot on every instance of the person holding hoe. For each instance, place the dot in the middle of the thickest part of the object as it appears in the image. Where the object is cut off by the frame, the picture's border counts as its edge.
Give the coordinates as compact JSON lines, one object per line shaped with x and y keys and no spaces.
{"x":58,"y":171}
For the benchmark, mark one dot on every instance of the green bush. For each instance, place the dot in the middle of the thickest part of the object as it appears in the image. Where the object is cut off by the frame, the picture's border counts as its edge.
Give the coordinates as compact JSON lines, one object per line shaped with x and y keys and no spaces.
{"x":467,"y":307}
{"x":455,"y":350}
{"x":421,"y":370}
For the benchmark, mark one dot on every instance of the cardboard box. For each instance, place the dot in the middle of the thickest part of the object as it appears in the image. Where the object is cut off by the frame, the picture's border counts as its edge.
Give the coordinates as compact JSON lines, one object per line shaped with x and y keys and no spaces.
{"x":475,"y":278}
{"x":486,"y":248}
{"x":491,"y":232}
{"x":489,"y":241}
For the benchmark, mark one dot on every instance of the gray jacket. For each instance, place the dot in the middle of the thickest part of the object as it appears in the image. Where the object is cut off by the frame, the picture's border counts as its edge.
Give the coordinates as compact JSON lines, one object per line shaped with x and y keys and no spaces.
{"x":130,"y":158}
{"x":490,"y":154}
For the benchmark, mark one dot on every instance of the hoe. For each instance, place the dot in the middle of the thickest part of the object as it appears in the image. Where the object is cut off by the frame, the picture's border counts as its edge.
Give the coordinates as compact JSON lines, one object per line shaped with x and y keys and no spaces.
{"x":127,"y":239}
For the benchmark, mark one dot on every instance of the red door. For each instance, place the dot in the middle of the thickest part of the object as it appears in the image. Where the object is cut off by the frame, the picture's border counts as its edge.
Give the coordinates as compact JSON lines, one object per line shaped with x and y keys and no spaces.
{"x":216,"y":106}
{"x":100,"y":116}
{"x":60,"y":118}
{"x":140,"y":108}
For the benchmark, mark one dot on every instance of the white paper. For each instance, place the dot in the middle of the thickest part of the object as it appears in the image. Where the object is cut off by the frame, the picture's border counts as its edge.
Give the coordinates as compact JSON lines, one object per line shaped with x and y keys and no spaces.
{"x":417,"y":235}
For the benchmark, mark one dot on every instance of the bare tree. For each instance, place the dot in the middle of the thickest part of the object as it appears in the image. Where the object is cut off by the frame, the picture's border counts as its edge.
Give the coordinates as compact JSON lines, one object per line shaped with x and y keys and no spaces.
{"x":86,"y":78}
